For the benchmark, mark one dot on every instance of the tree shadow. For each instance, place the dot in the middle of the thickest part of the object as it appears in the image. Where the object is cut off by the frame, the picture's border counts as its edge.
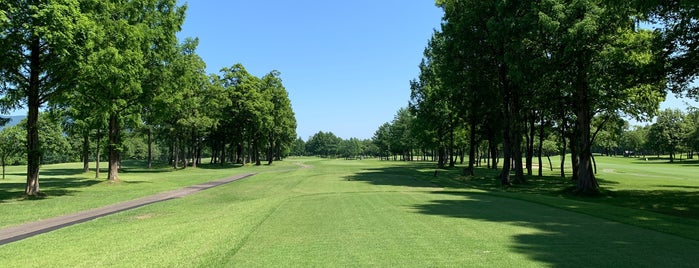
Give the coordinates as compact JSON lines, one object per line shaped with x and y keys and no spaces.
{"x":219,"y":166}
{"x":561,"y":238}
{"x":50,"y":187}
{"x":683,"y":204}
{"x":666,"y":161}
{"x":417,"y":174}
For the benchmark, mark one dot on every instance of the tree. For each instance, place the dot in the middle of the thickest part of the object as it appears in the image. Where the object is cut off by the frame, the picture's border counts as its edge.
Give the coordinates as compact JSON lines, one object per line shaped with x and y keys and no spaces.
{"x":132,"y":42}
{"x":299,"y":147}
{"x":679,"y":20}
{"x":381,"y":140}
{"x":11,"y":141}
{"x":247,"y":115}
{"x":632,"y":141}
{"x":282,"y":129}
{"x":42,"y":44}
{"x":324,"y":144}
{"x":610,"y":67}
{"x":668,"y":132}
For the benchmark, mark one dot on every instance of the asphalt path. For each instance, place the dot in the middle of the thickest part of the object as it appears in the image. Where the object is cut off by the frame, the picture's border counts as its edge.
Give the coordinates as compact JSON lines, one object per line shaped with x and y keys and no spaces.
{"x":19,"y":232}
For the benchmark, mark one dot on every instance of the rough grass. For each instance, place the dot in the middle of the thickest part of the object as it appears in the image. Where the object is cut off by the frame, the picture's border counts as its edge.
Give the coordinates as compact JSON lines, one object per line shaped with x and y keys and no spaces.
{"x":313,"y":212}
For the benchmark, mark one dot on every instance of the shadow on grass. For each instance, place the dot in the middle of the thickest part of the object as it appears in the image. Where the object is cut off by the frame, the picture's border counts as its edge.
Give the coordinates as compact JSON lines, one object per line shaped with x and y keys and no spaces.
{"x":219,"y":166}
{"x":666,"y":161}
{"x":50,"y":187}
{"x":679,"y":201}
{"x":682,"y":202}
{"x":417,"y":174}
{"x":560,"y":238}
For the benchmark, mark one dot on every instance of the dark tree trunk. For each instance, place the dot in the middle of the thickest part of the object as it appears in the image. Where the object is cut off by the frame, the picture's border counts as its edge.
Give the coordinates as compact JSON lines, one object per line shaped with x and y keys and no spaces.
{"x":586,"y":181}
{"x":530,"y":143}
{"x":176,"y":153}
{"x":563,"y":152}
{"x":507,"y":142}
{"x":270,"y":150}
{"x":442,"y":158}
{"x":542,"y":128}
{"x":150,"y":148}
{"x":451,"y":148}
{"x":493,"y":152}
{"x":473,"y":146}
{"x":4,"y":161}
{"x":256,"y":151}
{"x":98,"y":153}
{"x":33,"y":103}
{"x":516,"y":138}
{"x":171,"y":153}
{"x":114,"y":143}
{"x":86,"y":152}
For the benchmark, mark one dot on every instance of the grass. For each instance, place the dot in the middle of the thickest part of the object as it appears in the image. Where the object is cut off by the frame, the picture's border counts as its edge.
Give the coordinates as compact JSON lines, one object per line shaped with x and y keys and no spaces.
{"x":69,"y":190}
{"x":319,"y":212}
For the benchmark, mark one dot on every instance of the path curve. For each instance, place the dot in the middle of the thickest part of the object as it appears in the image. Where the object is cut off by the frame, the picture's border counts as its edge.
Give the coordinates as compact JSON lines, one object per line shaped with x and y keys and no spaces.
{"x":19,"y":232}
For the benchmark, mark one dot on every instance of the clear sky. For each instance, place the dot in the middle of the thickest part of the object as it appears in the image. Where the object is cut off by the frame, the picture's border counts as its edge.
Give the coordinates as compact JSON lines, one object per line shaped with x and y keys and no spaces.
{"x":346,"y":64}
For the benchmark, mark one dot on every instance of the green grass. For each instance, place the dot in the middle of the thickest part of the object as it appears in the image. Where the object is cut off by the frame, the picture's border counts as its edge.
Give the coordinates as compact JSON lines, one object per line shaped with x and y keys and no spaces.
{"x":69,"y":190}
{"x":365,"y":213}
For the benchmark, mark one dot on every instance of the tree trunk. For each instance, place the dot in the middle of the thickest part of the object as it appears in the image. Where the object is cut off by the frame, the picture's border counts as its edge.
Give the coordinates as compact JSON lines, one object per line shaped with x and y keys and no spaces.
{"x":542,"y":127}
{"x":563,"y":153}
{"x":176,"y":154}
{"x":530,"y":143}
{"x":97,"y":153}
{"x":473,"y":146}
{"x":150,"y":148}
{"x":114,"y":143}
{"x":506,"y":143}
{"x":171,"y":153}
{"x":270,"y":150}
{"x":256,"y":151}
{"x":86,"y":152}
{"x":586,"y":181}
{"x":516,"y":137}
{"x":33,"y":103}
{"x":451,"y":148}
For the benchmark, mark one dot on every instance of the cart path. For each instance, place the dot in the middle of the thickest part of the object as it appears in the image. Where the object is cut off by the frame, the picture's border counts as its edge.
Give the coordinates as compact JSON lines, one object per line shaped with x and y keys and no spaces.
{"x":19,"y":232}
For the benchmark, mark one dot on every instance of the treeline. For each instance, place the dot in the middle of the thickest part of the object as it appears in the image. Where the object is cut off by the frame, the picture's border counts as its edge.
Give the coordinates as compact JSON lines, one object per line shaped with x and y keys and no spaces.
{"x":111,"y":71}
{"x":327,"y":145}
{"x":674,"y":134}
{"x":513,"y":74}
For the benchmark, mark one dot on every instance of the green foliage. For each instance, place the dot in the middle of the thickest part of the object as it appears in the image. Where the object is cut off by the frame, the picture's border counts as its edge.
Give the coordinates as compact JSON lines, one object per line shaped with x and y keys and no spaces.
{"x":298,"y":148}
{"x":12,"y":145}
{"x":324,"y":144}
{"x":669,"y":132}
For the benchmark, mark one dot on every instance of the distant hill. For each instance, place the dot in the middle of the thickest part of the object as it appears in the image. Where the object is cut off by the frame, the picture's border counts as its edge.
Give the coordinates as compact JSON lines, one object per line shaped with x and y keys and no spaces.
{"x":14,"y":120}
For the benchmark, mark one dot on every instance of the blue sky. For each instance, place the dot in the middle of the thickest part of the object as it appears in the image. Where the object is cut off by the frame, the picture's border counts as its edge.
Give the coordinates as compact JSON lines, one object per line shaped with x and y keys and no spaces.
{"x":346,"y":64}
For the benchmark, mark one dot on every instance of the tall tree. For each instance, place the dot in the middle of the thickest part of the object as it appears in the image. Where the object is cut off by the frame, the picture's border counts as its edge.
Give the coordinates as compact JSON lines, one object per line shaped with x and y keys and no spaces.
{"x":134,"y":40}
{"x":42,"y":44}
{"x":669,"y":132}
{"x":282,"y":129}
{"x":612,"y":67}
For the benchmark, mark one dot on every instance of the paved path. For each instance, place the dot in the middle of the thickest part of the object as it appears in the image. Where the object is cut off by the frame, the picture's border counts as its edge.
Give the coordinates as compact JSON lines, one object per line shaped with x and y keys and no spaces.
{"x":23,"y":231}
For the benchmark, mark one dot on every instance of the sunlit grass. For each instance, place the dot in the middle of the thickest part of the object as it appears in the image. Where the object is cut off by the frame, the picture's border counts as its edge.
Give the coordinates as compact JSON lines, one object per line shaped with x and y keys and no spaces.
{"x":318,"y":212}
{"x":69,"y":190}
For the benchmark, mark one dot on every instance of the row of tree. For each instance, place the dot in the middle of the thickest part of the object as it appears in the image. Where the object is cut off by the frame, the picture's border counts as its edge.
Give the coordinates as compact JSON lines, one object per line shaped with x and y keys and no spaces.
{"x":326,"y":144}
{"x":674,"y":133}
{"x":513,"y":73}
{"x":117,"y":67}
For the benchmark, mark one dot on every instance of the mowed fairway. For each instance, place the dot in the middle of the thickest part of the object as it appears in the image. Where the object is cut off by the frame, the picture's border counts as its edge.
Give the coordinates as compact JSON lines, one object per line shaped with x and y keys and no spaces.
{"x":313,"y":212}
